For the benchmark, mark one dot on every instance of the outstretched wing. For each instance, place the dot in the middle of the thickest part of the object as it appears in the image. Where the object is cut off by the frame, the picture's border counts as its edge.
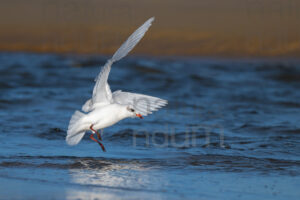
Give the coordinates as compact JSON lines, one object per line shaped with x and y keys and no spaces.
{"x":101,"y":92}
{"x":143,"y":104}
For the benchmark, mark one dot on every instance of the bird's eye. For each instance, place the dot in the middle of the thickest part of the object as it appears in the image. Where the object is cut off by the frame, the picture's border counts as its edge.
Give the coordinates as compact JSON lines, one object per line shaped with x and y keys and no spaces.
{"x":130,"y":109}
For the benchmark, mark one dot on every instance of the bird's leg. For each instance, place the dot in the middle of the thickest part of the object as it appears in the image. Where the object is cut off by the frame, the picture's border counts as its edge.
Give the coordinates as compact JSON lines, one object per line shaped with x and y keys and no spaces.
{"x":98,"y":134}
{"x":101,"y":145}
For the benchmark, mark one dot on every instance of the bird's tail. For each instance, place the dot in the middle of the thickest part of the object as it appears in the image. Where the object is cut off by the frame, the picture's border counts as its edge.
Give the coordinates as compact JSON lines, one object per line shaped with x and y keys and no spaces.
{"x":75,"y":132}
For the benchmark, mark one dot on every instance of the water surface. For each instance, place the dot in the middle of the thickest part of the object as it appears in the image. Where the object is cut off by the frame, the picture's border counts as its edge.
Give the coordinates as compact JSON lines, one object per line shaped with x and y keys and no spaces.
{"x":231,"y":129}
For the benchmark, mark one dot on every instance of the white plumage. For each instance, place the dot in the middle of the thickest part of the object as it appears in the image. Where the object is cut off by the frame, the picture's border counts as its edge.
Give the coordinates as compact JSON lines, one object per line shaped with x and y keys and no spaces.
{"x":143,"y":104}
{"x":106,"y":108}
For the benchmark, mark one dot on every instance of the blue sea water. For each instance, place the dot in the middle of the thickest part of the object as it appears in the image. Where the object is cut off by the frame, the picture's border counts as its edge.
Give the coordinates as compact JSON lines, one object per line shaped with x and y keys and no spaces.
{"x":231,"y":129}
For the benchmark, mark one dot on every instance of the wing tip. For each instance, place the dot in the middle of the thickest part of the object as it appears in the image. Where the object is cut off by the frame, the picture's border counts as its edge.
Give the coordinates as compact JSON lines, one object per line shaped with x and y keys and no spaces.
{"x":151,"y":19}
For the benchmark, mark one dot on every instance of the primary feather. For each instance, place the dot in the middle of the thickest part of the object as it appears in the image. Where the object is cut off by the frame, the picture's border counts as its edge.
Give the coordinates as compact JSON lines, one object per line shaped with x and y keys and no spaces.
{"x":143,"y":104}
{"x":133,"y":39}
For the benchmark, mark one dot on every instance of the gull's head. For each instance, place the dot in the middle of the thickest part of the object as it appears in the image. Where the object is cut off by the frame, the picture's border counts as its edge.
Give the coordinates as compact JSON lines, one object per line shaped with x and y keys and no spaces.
{"x":132,"y":112}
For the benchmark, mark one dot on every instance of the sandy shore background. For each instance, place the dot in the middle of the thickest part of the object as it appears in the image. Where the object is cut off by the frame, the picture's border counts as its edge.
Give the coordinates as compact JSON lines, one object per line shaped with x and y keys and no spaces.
{"x":182,"y":27}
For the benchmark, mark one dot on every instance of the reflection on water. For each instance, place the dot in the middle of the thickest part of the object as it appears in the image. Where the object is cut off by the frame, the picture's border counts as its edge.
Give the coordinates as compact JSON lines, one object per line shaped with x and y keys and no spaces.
{"x":101,"y":177}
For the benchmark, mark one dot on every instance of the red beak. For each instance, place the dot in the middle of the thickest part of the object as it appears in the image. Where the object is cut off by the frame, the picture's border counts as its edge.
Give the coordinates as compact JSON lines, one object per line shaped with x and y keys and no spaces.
{"x":140,"y":116}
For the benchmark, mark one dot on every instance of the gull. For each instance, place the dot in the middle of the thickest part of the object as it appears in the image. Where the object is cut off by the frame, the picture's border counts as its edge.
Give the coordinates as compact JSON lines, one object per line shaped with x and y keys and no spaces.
{"x":105,"y":108}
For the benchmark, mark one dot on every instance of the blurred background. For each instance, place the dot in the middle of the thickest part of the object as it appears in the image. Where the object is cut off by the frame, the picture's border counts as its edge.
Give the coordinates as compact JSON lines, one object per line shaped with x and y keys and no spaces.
{"x":229,"y":69}
{"x":192,"y":27}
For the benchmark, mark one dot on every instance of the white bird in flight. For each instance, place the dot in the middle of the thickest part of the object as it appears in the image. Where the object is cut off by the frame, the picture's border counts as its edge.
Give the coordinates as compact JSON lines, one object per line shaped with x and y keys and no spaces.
{"x":105,"y":108}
